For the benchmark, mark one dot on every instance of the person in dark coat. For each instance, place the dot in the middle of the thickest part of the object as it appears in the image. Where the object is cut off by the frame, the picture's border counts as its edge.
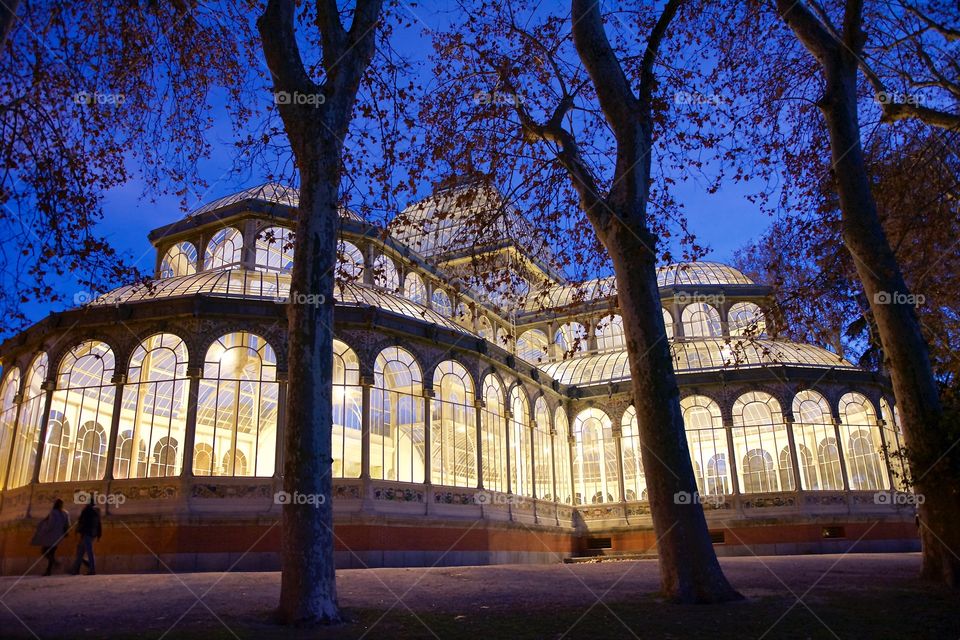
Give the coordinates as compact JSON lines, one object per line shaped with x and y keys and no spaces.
{"x":50,"y":531}
{"x":88,"y":528}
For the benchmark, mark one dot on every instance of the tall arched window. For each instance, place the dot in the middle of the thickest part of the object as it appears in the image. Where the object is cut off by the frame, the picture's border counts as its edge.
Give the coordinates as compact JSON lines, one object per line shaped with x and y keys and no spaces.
{"x":179,"y":260}
{"x":414,"y":289}
{"x":154,"y":407}
{"x":571,"y":338}
{"x":237,"y":407}
{"x":862,"y":444}
{"x":707,"y":440}
{"x":700,"y":320}
{"x":521,"y":456}
{"x":893,"y":437}
{"x":225,"y":250}
{"x":813,"y":431}
{"x":396,"y":418}
{"x":349,"y":262}
{"x":667,"y":323}
{"x":84,"y":396}
{"x":542,"y":451}
{"x":596,"y":475}
{"x":610,"y":333}
{"x":453,"y":427}
{"x":385,"y":274}
{"x":8,"y":418}
{"x":440,"y":302}
{"x":634,"y":480}
{"x":759,"y":434}
{"x":493,"y":431}
{"x":532,"y":346}
{"x":274,"y":250}
{"x":561,"y":450}
{"x":745,"y":318}
{"x":25,"y":443}
{"x":347,"y":412}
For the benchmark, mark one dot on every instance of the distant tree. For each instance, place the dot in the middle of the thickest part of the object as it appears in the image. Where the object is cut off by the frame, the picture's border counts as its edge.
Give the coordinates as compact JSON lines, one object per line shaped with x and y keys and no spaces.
{"x":565,"y":116}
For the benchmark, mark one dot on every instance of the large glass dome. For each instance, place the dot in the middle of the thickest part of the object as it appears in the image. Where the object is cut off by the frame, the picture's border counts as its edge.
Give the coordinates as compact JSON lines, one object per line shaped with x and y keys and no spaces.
{"x":693,"y":273}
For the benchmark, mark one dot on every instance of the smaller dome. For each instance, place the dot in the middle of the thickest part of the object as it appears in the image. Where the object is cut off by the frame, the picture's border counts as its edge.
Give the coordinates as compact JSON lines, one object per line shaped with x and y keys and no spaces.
{"x":269,"y":193}
{"x":693,"y":273}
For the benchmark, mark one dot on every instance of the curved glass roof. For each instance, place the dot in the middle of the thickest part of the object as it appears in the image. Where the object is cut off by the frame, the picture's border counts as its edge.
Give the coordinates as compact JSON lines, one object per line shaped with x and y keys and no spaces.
{"x":243,"y":283}
{"x":681,"y":273}
{"x":696,"y":355}
{"x":269,"y":192}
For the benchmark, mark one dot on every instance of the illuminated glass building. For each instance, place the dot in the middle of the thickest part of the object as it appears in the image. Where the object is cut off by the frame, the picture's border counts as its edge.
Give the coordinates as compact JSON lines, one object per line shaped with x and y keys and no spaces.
{"x":469,"y":429}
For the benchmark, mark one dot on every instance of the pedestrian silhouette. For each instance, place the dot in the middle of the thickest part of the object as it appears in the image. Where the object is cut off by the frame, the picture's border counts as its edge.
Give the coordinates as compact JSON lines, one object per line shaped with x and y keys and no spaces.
{"x":50,"y":531}
{"x":88,"y":528}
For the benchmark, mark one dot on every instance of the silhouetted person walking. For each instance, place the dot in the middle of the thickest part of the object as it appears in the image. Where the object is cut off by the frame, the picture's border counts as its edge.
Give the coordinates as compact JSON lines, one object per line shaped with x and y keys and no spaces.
{"x":50,"y":531}
{"x":88,"y":528}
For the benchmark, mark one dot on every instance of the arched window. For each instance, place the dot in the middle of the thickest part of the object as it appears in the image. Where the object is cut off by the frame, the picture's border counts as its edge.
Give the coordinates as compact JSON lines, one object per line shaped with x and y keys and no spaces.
{"x":610,"y":333}
{"x":349,"y":262}
{"x":274,"y":250}
{"x":90,"y":455}
{"x":128,"y":464}
{"x":396,"y":417}
{"x":758,"y":429}
{"x":166,"y":458}
{"x":757,"y":472}
{"x":828,"y":464}
{"x":414,"y":289}
{"x":561,"y":450}
{"x":745,"y":318}
{"x":453,"y":427}
{"x":237,"y":407}
{"x":179,"y":260}
{"x":700,"y":320}
{"x":542,"y":451}
{"x":8,"y":417}
{"x":224,"y":250}
{"x":440,"y":302}
{"x":667,"y":323}
{"x":385,"y":274}
{"x":25,"y":443}
{"x":493,"y":428}
{"x":532,"y":346}
{"x":571,"y":338}
{"x":862,"y":444}
{"x":484,"y":329}
{"x":347,"y":412}
{"x":707,"y":440}
{"x":84,"y":396}
{"x":596,"y":476}
{"x":893,"y":438}
{"x":521,"y":457}
{"x":202,"y":459}
{"x":812,"y":431}
{"x":634,"y":480}
{"x":154,"y":403}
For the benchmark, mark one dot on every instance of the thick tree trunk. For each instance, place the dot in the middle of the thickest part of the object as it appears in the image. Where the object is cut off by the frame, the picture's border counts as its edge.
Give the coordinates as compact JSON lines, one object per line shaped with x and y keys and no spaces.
{"x":689,"y":570}
{"x":8,"y":17}
{"x":929,"y":449}
{"x":308,"y":586}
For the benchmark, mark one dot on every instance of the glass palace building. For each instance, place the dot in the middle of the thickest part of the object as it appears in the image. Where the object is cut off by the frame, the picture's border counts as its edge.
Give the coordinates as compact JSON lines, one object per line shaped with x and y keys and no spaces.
{"x":466,"y":431}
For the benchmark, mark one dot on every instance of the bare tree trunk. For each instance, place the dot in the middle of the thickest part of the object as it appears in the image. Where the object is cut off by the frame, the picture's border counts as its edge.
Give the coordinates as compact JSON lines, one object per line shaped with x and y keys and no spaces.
{"x":8,"y":17}
{"x":316,"y":122}
{"x":929,"y":449}
{"x":689,"y":570}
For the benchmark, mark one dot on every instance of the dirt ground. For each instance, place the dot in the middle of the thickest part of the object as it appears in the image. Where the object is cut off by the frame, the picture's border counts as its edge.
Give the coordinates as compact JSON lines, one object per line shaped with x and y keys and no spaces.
{"x":829,"y":596}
